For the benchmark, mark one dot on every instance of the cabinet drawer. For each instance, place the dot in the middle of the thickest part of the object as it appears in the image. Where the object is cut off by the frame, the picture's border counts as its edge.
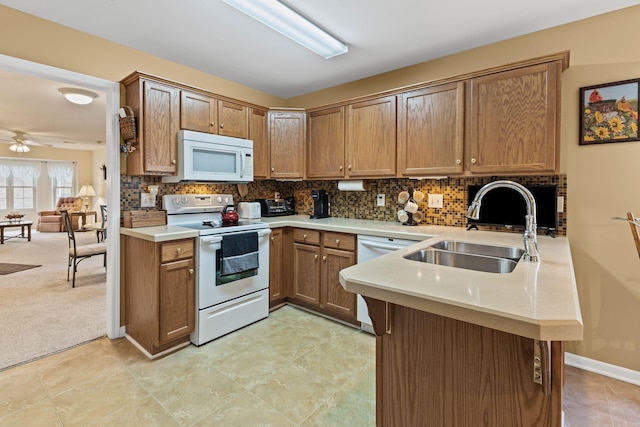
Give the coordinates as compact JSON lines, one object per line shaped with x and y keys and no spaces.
{"x":310,"y":237}
{"x":175,"y":250}
{"x":342,"y":241}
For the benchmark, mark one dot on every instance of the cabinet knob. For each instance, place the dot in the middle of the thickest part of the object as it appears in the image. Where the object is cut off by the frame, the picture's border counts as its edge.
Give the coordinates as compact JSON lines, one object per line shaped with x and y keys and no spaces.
{"x":341,"y":167}
{"x":213,"y":124}
{"x":221,"y":125}
{"x":324,"y":258}
{"x":191,"y":271}
{"x":273,"y":169}
{"x":458,"y":161}
{"x":337,"y":241}
{"x":349,"y":167}
{"x":315,"y":256}
{"x":179,"y":251}
{"x":473,"y":161}
{"x":273,"y":238}
{"x":173,"y":162}
{"x":304,"y":236}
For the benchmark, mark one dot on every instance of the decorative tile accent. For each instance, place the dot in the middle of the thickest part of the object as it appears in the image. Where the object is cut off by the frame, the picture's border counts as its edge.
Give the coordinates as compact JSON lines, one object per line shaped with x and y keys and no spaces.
{"x":352,"y":204}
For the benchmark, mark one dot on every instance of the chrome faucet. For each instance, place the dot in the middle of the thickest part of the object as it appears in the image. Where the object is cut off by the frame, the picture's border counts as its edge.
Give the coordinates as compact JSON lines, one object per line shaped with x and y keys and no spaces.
{"x":529,"y":236}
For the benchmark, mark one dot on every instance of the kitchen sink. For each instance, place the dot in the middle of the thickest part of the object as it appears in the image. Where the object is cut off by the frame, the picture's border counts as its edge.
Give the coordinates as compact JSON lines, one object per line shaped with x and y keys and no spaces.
{"x":479,"y":249}
{"x":489,"y":264}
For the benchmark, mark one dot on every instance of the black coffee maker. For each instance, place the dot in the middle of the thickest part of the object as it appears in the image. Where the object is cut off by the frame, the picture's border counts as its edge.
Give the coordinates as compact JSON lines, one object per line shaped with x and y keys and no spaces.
{"x":320,"y":204}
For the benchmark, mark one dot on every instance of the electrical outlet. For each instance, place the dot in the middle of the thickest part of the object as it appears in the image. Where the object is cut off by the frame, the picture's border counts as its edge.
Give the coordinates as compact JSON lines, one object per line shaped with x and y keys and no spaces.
{"x":380,"y":200}
{"x":276,"y":195}
{"x":147,"y":200}
{"x":435,"y":201}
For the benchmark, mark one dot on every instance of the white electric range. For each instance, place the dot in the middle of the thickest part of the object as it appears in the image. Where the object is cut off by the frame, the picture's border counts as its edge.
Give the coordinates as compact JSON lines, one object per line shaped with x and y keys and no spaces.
{"x":224,"y":303}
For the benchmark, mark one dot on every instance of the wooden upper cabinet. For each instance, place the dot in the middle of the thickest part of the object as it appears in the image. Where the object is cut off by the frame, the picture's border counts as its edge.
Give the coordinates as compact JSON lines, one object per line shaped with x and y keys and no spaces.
{"x":198,"y":112}
{"x":234,"y":119}
{"x":286,"y":144}
{"x":515,"y":120}
{"x":258,"y":133}
{"x":203,"y":113}
{"x":371,"y":138}
{"x":431,"y":131}
{"x":325,"y":143}
{"x":157,"y":109}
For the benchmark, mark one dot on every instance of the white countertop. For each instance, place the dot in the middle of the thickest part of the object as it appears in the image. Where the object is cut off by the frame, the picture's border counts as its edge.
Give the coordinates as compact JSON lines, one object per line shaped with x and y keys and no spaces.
{"x":160,"y":233}
{"x":536,"y":300}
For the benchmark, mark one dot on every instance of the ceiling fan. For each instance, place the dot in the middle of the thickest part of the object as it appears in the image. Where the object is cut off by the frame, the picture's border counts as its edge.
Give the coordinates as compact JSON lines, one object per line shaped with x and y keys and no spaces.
{"x":20,"y":143}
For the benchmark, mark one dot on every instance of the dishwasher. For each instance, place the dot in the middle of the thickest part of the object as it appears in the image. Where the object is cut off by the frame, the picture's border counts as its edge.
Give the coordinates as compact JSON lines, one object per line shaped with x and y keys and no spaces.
{"x":370,"y":247}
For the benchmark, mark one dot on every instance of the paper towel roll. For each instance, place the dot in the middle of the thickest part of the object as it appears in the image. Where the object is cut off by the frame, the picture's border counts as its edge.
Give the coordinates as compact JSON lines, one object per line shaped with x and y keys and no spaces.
{"x":354,"y":185}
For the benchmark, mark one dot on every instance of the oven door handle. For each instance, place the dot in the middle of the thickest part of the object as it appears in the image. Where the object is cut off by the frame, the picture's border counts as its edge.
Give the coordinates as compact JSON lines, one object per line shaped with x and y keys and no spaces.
{"x":210,"y":240}
{"x":263,"y":233}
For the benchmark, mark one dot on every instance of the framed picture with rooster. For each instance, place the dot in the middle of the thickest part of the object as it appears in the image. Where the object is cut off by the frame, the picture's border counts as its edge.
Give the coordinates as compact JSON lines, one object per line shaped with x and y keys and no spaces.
{"x":609,"y":112}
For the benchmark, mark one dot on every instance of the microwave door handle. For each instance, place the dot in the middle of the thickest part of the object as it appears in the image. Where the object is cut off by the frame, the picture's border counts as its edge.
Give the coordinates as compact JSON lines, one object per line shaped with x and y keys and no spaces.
{"x":242,"y":163}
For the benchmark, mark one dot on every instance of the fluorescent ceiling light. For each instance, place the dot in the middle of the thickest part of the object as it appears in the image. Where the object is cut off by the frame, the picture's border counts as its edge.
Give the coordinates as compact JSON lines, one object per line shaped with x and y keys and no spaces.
{"x":289,"y":23}
{"x":78,"y":96}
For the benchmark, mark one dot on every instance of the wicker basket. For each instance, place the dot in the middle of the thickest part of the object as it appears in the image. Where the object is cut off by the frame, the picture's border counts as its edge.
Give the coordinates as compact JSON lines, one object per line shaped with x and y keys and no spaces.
{"x":128,"y":126}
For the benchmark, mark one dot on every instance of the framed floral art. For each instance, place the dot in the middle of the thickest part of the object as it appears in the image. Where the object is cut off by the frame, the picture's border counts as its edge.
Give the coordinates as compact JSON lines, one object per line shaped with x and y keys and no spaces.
{"x":609,"y":112}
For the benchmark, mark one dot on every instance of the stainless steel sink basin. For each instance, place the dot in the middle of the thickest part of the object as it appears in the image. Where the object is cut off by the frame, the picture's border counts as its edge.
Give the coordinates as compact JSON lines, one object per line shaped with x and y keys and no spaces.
{"x":463,"y":260}
{"x":479,"y":249}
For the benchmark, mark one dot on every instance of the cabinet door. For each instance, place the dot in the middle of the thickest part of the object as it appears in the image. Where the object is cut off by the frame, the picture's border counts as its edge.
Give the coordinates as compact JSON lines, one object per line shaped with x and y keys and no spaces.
{"x":198,"y":112}
{"x":334,"y":297}
{"x":514,"y":120}
{"x":431,"y":131}
{"x":258,"y":134}
{"x":306,"y":273}
{"x":161,"y":118}
{"x":275,"y":266}
{"x":234,"y":119}
{"x":286,"y":141}
{"x":177,"y":300}
{"x":372,"y":138}
{"x":325,"y":143}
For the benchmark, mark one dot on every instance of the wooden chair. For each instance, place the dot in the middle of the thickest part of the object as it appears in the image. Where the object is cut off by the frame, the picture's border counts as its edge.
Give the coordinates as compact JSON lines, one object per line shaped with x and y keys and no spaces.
{"x":103,"y":215}
{"x":77,"y":253}
{"x":634,"y":224}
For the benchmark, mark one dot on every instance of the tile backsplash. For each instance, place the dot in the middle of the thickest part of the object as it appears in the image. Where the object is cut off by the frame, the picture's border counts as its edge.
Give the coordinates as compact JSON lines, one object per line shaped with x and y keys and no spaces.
{"x":351,"y":204}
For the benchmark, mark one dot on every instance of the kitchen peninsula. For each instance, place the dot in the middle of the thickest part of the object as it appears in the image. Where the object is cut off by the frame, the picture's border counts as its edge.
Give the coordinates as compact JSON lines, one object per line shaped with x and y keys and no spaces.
{"x":462,"y":347}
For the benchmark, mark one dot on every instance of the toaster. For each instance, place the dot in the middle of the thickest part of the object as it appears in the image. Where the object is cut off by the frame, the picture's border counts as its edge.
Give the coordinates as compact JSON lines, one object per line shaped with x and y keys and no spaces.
{"x":250,"y":210}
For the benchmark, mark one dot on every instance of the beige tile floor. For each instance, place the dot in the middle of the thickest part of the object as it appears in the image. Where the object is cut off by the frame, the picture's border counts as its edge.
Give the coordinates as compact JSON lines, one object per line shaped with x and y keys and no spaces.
{"x":292,"y":369}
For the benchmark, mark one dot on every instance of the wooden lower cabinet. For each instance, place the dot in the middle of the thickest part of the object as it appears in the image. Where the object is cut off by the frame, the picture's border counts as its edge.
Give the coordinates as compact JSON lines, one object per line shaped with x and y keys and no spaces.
{"x":159,"y":293}
{"x":318,"y":258}
{"x":276,"y":277}
{"x":436,"y":371}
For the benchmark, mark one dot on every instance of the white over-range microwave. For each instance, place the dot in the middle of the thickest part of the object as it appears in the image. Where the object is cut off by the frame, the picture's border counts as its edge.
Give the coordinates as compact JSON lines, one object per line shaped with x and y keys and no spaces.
{"x":209,"y":157}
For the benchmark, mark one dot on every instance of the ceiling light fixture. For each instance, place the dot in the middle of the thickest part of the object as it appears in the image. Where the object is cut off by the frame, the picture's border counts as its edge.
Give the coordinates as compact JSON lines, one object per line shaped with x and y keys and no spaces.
{"x":78,"y":96}
{"x":289,"y":23}
{"x":20,"y":147}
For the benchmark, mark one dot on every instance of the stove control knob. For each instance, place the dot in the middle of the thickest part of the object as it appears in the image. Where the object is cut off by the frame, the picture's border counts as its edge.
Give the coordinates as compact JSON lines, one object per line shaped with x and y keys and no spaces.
{"x":219,"y":199}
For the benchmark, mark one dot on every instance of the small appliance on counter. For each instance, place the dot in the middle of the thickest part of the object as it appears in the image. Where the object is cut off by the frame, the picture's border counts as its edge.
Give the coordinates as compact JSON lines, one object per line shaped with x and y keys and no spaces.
{"x":320,"y":204}
{"x":249,"y":210}
{"x":277,"y":207}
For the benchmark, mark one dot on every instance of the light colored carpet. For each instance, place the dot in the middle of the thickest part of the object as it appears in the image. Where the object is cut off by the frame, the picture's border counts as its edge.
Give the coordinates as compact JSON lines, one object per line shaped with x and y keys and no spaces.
{"x":41,"y":313}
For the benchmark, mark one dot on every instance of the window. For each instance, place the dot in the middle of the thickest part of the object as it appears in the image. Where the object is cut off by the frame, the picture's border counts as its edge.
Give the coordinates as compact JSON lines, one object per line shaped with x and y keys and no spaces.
{"x":24,"y":192}
{"x":3,"y":193}
{"x":62,"y":187}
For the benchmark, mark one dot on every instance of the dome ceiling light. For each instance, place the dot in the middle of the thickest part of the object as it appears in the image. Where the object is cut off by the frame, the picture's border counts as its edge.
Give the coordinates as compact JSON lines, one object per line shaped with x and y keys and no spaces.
{"x":78,"y":96}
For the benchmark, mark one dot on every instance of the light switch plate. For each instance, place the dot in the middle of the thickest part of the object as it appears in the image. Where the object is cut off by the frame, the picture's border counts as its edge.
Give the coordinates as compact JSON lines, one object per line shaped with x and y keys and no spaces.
{"x":435,"y":201}
{"x":380,"y":200}
{"x":147,"y":200}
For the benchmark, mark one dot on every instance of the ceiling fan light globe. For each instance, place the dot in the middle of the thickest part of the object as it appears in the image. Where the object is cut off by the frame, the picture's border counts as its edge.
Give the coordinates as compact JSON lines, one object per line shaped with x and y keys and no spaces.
{"x":78,"y":96}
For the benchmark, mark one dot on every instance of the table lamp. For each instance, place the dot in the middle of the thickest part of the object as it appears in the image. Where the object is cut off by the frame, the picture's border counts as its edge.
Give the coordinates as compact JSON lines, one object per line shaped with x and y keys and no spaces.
{"x":86,"y":191}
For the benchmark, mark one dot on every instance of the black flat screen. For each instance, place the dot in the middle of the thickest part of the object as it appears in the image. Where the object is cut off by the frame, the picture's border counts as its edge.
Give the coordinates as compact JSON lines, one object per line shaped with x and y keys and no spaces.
{"x":505,"y":207}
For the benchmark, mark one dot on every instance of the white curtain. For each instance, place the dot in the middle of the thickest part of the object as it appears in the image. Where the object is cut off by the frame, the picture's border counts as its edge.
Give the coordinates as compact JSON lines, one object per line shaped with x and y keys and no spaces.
{"x":60,"y":170}
{"x":26,"y":169}
{"x":20,"y":168}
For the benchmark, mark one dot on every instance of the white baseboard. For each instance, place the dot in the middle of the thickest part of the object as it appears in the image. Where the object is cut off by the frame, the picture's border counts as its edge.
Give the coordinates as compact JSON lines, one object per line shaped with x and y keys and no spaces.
{"x":613,"y":371}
